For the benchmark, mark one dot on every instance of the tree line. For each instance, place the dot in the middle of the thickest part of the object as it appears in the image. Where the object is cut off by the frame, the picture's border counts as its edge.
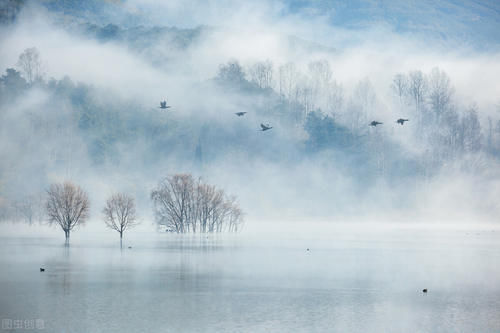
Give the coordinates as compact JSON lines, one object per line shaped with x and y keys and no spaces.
{"x":311,"y":98}
{"x":308,"y":100}
{"x":181,"y":205}
{"x":292,"y":94}
{"x":184,"y":205}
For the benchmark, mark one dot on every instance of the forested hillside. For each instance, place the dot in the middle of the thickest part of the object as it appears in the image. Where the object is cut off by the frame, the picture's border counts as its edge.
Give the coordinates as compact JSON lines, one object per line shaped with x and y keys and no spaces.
{"x":322,"y":151}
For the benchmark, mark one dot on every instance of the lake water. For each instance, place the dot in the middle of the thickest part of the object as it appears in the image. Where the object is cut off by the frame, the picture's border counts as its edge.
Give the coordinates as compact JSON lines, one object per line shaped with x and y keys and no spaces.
{"x":353,"y":279}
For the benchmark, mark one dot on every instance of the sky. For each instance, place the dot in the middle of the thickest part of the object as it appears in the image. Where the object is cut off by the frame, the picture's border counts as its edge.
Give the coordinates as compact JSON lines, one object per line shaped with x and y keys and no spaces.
{"x":372,"y":42}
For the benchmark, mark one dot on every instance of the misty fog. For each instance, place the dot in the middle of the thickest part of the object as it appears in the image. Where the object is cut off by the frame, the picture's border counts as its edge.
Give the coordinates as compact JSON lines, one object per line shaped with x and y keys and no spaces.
{"x":383,"y":121}
{"x":116,"y":75}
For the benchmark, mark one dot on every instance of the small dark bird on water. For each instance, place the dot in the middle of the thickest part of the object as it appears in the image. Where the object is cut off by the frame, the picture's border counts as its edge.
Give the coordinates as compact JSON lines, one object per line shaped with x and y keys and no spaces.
{"x":401,"y":121}
{"x":130,"y":247}
{"x":424,"y":291}
{"x":163,"y":105}
{"x":307,"y":250}
{"x":265,"y":127}
{"x":42,"y":269}
{"x":239,"y":114}
{"x":375,"y":123}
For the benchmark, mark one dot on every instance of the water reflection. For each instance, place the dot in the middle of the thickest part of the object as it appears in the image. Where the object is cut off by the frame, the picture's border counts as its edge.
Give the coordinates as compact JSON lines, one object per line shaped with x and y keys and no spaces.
{"x":346,"y":282}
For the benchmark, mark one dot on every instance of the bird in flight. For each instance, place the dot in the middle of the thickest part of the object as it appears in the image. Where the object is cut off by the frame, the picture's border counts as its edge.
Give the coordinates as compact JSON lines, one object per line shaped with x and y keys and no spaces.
{"x":401,"y":121}
{"x":265,"y":127}
{"x":239,"y":114}
{"x":163,"y":105}
{"x":375,"y":123}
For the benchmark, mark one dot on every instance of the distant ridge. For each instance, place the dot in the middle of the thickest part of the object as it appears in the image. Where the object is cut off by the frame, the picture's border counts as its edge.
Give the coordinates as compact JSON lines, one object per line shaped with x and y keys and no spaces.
{"x":9,"y":10}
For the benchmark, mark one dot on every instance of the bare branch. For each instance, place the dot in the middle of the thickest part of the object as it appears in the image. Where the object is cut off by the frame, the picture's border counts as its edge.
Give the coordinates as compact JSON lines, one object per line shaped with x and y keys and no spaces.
{"x":119,"y":213}
{"x":67,"y":205}
{"x":185,"y":205}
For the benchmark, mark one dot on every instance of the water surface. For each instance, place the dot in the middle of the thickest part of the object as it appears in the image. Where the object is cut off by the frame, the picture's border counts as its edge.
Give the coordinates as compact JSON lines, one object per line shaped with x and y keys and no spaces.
{"x":352,"y":279}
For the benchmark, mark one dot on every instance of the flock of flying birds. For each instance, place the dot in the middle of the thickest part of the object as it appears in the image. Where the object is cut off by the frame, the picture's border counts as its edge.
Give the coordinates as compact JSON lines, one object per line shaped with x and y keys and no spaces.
{"x":163,"y":105}
{"x":401,"y":121}
{"x":262,"y":126}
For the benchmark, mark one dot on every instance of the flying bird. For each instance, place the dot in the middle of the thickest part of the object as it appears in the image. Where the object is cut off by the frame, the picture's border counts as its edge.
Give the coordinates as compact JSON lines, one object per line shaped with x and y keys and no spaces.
{"x":265,"y":127}
{"x":375,"y":123}
{"x":163,"y":105}
{"x":401,"y":121}
{"x":239,"y":114}
{"x":42,"y":269}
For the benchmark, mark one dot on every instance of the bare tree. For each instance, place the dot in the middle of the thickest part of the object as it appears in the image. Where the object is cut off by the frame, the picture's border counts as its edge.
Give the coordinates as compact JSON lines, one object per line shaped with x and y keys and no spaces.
{"x":288,"y":76}
{"x":440,"y":92}
{"x":27,"y":209}
{"x":471,"y":130}
{"x":320,"y":75}
{"x":400,"y":86}
{"x":320,"y":72}
{"x":364,"y":95}
{"x":355,"y":118}
{"x":30,"y":208}
{"x":261,"y":73}
{"x":67,"y":206}
{"x":204,"y":207}
{"x":334,"y":99}
{"x":119,"y":213}
{"x":304,"y":96}
{"x":216,"y":211}
{"x":234,"y":215}
{"x":185,"y":205}
{"x":172,"y":200}
{"x":417,"y":90}
{"x":31,"y":65}
{"x":449,"y":135}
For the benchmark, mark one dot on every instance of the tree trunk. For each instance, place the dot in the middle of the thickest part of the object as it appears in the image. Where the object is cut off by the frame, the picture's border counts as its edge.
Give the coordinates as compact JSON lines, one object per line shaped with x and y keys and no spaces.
{"x":66,"y":233}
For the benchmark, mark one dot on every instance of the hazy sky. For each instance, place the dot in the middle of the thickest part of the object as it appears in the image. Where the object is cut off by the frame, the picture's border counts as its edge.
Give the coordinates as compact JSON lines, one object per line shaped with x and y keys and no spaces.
{"x":373,"y":50}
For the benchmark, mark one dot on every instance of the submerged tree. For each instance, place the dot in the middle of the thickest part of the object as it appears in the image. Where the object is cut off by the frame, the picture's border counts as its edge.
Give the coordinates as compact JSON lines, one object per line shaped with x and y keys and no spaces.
{"x":67,"y":206}
{"x":185,"y":205}
{"x":29,"y":209}
{"x":172,"y":201}
{"x":119,"y":213}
